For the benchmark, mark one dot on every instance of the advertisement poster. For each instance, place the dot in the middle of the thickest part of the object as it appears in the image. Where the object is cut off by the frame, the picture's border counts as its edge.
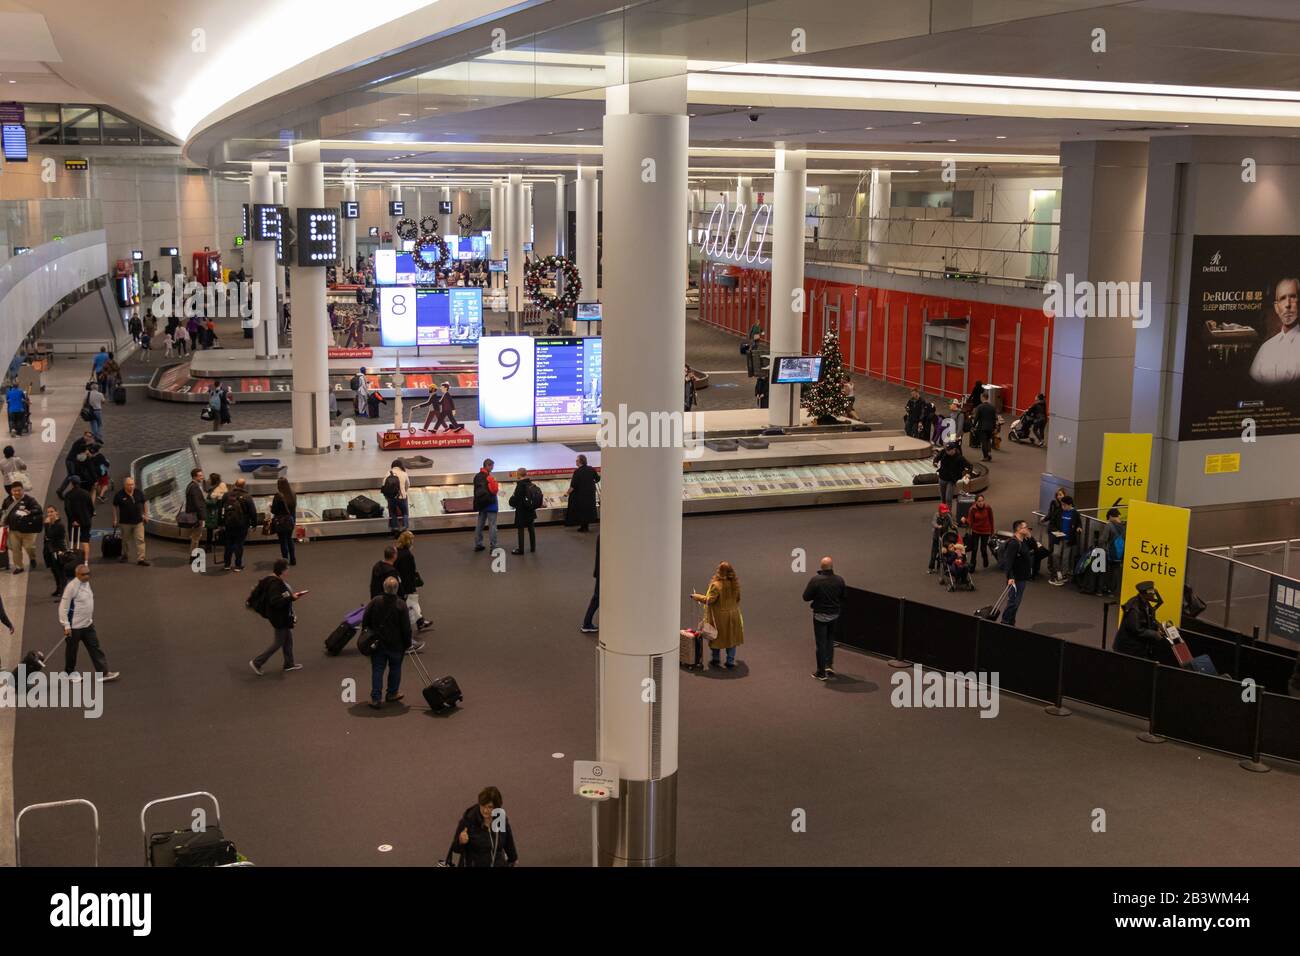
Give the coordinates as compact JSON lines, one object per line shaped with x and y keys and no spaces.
{"x":1155,"y":549}
{"x":1242,"y":359}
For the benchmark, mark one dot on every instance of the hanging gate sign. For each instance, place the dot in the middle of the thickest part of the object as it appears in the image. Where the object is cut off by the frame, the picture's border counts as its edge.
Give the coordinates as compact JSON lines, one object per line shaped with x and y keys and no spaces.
{"x":726,"y":244}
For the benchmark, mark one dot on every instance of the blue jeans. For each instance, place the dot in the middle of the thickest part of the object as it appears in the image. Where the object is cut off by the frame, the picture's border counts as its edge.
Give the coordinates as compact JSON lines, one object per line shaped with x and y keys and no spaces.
{"x":399,"y":513}
{"x":824,"y":637}
{"x":287,"y":549}
{"x":97,"y":424}
{"x":378,"y":661}
{"x":1013,"y":603}
{"x":731,"y":655}
{"x":488,"y":518}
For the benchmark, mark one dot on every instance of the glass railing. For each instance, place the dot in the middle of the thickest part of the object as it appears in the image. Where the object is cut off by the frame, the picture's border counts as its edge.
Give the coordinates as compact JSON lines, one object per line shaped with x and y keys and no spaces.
{"x":27,"y":223}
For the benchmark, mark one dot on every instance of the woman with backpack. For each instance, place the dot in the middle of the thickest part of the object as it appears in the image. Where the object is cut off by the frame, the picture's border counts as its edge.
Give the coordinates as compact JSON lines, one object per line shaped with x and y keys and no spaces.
{"x":395,"y":489}
{"x":526,"y":499}
{"x":284,"y":518}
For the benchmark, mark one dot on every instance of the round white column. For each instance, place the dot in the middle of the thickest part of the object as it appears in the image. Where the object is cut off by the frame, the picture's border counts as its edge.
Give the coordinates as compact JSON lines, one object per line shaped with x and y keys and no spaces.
{"x":266,"y":326}
{"x":745,"y":194}
{"x":878,"y":228}
{"x":529,"y":230}
{"x":311,"y":416}
{"x":350,"y":229}
{"x":515,"y":219}
{"x":561,"y":219}
{"x":644,"y":350}
{"x":787,"y":274}
{"x":586,"y":203}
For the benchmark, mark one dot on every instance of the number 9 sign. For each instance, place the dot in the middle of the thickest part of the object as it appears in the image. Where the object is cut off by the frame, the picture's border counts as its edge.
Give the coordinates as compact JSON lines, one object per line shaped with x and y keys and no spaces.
{"x":505,"y":381}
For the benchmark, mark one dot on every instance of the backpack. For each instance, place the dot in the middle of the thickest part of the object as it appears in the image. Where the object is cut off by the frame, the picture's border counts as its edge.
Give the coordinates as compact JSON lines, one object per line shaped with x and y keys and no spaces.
{"x":535,"y":498}
{"x":1116,"y":549}
{"x":259,"y":599}
{"x":234,"y":517}
{"x":392,"y":486}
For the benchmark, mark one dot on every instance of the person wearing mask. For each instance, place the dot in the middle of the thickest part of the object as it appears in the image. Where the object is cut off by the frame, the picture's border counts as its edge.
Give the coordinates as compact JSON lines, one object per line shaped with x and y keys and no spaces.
{"x":79,"y":509}
{"x":485,"y":505}
{"x":24,"y":518}
{"x":526,"y":499}
{"x":70,"y":462}
{"x":55,"y":544}
{"x":212,"y":506}
{"x":77,"y":618}
{"x":952,"y":467}
{"x":411,"y":582}
{"x":980,"y":521}
{"x":825,"y":592}
{"x":1063,"y":532}
{"x":279,"y":598}
{"x":396,"y":491}
{"x":195,"y":507}
{"x":284,"y":518}
{"x":130,"y":512}
{"x":941,"y":527}
{"x":582,"y":509}
{"x":983,"y":424}
{"x":1016,"y":562}
{"x":721,"y":600}
{"x":589,"y":621}
{"x":1139,"y":631}
{"x":12,"y":468}
{"x":387,"y":619}
{"x":1112,"y":543}
{"x":95,"y":405}
{"x":483,"y":836}
{"x":238,"y":514}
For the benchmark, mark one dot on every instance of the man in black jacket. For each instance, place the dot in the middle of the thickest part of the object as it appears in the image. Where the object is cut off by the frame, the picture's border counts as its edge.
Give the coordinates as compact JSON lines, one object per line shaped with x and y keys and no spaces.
{"x":1139,"y":632}
{"x":238,"y":514}
{"x":912,"y":415}
{"x":24,"y":518}
{"x":277,"y":597}
{"x":826,"y":594}
{"x":196,"y":504}
{"x":953,"y":467}
{"x":525,"y":502}
{"x":983,"y":425}
{"x":387,"y":618}
{"x":79,"y":508}
{"x":382,"y":571}
{"x":70,"y":462}
{"x":1017,"y":563}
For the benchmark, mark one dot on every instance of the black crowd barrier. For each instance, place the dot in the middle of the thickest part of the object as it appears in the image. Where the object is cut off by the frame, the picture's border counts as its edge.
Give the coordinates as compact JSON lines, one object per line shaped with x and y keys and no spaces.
{"x":1216,"y":712}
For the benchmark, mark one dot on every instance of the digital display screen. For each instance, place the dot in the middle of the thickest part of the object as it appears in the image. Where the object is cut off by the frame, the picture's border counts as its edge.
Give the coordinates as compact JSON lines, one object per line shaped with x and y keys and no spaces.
{"x":444,"y":207}
{"x":13,"y":136}
{"x":528,"y":247}
{"x":796,"y":369}
{"x":397,"y":209}
{"x":399,"y":268}
{"x":350,"y":209}
{"x":137,"y":254}
{"x":374,"y":232}
{"x":413,"y":316}
{"x":318,"y":236}
{"x":266,"y":222}
{"x":76,"y":165}
{"x":588,"y":312}
{"x":505,"y":381}
{"x":243,"y":224}
{"x":497,"y":265}
{"x":168,"y":251}
{"x":568,"y":381}
{"x":478,"y":245}
{"x":19,"y":250}
{"x":122,"y":290}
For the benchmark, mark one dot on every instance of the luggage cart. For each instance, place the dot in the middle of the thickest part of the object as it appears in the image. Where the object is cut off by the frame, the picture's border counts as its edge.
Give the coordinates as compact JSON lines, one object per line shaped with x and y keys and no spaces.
{"x":160,"y":849}
{"x":18,"y":823}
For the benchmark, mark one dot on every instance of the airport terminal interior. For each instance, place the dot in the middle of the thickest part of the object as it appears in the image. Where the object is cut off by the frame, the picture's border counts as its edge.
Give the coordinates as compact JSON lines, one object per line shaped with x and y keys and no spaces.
{"x":727,"y":433}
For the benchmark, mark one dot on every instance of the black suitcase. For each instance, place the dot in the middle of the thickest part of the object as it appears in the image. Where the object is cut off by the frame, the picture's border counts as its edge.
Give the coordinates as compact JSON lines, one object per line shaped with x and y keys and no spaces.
{"x":110,"y":546}
{"x":235,"y":447}
{"x":363,"y":507}
{"x":186,"y":848}
{"x":334,"y":514}
{"x":341,"y":635}
{"x":691,"y":652}
{"x":438,"y":694}
{"x":926,"y":478}
{"x":119,"y":395}
{"x":992,"y":612}
{"x":962,"y":505}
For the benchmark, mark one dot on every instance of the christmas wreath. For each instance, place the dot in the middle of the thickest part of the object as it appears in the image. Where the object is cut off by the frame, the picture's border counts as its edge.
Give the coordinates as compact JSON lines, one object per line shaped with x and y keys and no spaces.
{"x":538,"y":270}
{"x":407,"y":228}
{"x":428,"y":224}
{"x":430,"y":240}
{"x":465,"y":222}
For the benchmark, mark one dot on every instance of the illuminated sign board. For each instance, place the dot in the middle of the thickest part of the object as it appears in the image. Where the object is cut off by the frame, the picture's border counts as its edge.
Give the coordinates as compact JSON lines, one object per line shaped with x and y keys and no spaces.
{"x":137,"y":254}
{"x":76,"y":165}
{"x":13,"y":140}
{"x":318,"y":236}
{"x":350,"y":209}
{"x":444,"y":207}
{"x":168,"y":251}
{"x":397,"y":209}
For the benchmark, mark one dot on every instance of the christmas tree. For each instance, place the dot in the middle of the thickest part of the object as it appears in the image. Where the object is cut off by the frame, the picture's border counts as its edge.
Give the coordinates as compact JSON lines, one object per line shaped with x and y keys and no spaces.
{"x":825,"y":399}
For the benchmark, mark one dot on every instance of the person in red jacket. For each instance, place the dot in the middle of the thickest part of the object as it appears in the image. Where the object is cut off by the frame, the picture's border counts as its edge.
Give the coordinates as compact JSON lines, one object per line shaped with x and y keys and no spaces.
{"x":980,"y":521}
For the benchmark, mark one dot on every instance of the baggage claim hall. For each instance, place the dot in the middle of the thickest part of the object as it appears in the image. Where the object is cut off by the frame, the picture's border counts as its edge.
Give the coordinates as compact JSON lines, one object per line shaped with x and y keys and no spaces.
{"x":724,"y":434}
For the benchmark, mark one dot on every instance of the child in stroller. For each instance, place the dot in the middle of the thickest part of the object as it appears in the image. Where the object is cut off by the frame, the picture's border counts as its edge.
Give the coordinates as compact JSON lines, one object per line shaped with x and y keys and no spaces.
{"x":957,"y":568}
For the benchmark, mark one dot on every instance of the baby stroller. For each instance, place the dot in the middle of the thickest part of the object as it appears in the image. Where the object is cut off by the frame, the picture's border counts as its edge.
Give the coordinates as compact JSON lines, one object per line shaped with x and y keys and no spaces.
{"x":20,"y":423}
{"x":956,"y":569}
{"x":1028,"y":428}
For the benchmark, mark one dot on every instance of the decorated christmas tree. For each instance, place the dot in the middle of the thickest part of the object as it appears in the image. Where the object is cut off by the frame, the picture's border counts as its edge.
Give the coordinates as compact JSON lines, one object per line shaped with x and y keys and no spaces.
{"x":825,"y":399}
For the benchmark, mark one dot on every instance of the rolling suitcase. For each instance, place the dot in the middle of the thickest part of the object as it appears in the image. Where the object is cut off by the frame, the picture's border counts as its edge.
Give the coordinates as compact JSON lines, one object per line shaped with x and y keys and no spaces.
{"x":691,"y":650}
{"x":335,"y":514}
{"x":438,"y":694}
{"x":993,"y":611}
{"x":110,"y":546}
{"x":188,"y":848}
{"x":119,"y":395}
{"x":341,"y":635}
{"x":363,"y":507}
{"x":962,"y":506}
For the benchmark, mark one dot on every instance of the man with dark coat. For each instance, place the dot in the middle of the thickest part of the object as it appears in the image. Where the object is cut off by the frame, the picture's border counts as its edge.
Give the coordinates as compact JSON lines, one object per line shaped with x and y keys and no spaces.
{"x":1017,"y":563}
{"x":825,"y":592}
{"x":983,"y":425}
{"x":1139,"y":631}
{"x":525,"y":500}
{"x":582,"y":496}
{"x":387,"y":618}
{"x":912,"y":415}
{"x":79,"y":507}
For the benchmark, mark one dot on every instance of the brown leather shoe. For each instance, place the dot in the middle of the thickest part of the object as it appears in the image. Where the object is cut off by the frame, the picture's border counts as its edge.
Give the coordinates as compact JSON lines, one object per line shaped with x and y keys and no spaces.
{"x":394,"y":699}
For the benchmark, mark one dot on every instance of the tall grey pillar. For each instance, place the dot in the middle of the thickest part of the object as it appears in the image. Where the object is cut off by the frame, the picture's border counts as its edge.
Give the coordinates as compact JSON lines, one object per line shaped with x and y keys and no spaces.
{"x":641,"y":512}
{"x":266,"y":330}
{"x":561,"y":218}
{"x":587,"y":203}
{"x":311,"y":415}
{"x":529,"y":231}
{"x":878,"y":216}
{"x":784,"y":334}
{"x":497,"y":211}
{"x":515,"y":220}
{"x":745,"y":193}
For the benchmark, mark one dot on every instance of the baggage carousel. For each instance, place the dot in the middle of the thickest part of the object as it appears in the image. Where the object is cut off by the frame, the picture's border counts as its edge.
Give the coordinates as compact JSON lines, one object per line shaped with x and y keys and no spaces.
{"x":736,"y":470}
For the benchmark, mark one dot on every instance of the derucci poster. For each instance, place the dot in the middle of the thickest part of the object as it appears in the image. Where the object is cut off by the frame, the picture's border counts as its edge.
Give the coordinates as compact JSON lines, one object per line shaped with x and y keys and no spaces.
{"x":1243,"y":338}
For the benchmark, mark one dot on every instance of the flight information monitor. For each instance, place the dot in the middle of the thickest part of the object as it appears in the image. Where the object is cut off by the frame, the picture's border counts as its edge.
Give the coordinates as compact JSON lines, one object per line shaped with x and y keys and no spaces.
{"x":413,"y":316}
{"x":505,"y":381}
{"x":497,"y":265}
{"x":588,"y":312}
{"x":399,"y":268}
{"x":568,"y":386}
{"x":796,"y":369}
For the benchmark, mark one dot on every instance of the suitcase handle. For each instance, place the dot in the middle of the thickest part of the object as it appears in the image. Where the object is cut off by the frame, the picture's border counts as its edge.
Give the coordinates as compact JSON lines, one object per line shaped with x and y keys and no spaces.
{"x":419,"y":666}
{"x":144,"y":829}
{"x":18,"y":823}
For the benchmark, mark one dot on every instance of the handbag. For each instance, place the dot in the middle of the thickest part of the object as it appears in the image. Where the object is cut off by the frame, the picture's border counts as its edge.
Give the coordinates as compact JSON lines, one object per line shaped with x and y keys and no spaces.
{"x":707,"y":629}
{"x":187,"y":519}
{"x":206,"y":414}
{"x":368,"y":642}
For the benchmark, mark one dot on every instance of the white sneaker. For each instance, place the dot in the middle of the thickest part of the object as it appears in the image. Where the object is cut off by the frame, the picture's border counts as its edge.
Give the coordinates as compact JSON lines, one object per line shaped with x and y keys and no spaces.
{"x":256,"y":670}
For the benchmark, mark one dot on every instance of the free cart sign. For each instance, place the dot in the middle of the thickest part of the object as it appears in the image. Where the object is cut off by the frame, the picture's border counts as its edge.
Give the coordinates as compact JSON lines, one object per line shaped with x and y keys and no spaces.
{"x":595,"y":779}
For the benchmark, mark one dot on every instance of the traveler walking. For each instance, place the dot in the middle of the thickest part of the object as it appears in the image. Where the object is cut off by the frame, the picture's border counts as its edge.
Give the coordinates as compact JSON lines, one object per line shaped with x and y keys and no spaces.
{"x":1016,"y":562}
{"x":387,"y":619}
{"x":721,"y":600}
{"x":411,"y":582}
{"x":396,"y":491}
{"x":583,"y":507}
{"x":952,"y":467}
{"x":941,"y":526}
{"x":483,"y":836}
{"x":526,"y":499}
{"x":24,"y":519}
{"x":486,"y":506}
{"x":284,"y":519}
{"x":274,"y":599}
{"x":825,"y":592}
{"x":71,"y":461}
{"x":984,"y":423}
{"x":589,"y":622}
{"x":130,"y":512}
{"x":238,"y":514}
{"x":77,"y":618}
{"x":79,"y":509}
{"x":53,"y":548}
{"x":95,"y":406}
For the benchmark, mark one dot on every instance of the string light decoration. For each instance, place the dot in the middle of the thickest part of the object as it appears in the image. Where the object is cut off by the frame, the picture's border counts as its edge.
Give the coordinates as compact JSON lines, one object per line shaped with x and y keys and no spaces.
{"x":428,"y":224}
{"x":428,"y":242}
{"x":407,"y":228}
{"x":538,"y":270}
{"x":465,"y":223}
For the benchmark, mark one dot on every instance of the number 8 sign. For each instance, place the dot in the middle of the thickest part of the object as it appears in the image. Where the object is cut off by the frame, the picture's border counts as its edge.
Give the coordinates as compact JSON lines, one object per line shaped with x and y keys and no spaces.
{"x":505,"y":381}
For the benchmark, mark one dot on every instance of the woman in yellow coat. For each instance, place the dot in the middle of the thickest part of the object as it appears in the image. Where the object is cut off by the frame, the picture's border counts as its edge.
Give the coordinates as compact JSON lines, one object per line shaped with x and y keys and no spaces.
{"x":722,"y":607}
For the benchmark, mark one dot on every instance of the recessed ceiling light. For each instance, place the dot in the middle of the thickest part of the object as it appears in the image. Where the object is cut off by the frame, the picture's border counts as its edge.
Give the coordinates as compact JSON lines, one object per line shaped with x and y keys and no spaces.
{"x":952,"y":141}
{"x":582,"y":129}
{"x":868,"y":127}
{"x":403,"y":114}
{"x":916,"y":122}
{"x":1001,"y":137}
{"x":431,"y":107}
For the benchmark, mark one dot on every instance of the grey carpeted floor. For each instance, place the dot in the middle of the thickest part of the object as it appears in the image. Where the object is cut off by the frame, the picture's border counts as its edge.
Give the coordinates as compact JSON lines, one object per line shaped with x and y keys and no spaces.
{"x":305,"y":778}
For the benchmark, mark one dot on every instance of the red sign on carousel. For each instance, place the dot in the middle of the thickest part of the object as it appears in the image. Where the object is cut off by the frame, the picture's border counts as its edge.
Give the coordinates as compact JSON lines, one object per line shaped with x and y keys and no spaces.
{"x":393,"y":440}
{"x":338,"y":353}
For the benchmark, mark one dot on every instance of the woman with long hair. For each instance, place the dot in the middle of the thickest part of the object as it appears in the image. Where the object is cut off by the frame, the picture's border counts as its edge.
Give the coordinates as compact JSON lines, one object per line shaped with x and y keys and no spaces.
{"x":721,"y":602}
{"x":284,"y":518}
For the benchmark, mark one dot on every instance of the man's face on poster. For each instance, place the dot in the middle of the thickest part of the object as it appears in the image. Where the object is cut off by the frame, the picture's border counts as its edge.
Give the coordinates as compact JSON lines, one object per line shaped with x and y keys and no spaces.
{"x":1286,"y":303}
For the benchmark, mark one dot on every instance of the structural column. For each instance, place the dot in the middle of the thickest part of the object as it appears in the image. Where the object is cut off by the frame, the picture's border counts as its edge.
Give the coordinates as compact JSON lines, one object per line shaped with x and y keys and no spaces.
{"x":515,"y":220}
{"x":878,"y":216}
{"x":586,"y":202}
{"x":266,"y":325}
{"x":395,"y":195}
{"x":350,"y":229}
{"x":646,"y":132}
{"x":311,"y":416}
{"x":561,"y":218}
{"x":497,"y":228}
{"x":791,"y":180}
{"x":528,"y":213}
{"x":745,"y":194}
